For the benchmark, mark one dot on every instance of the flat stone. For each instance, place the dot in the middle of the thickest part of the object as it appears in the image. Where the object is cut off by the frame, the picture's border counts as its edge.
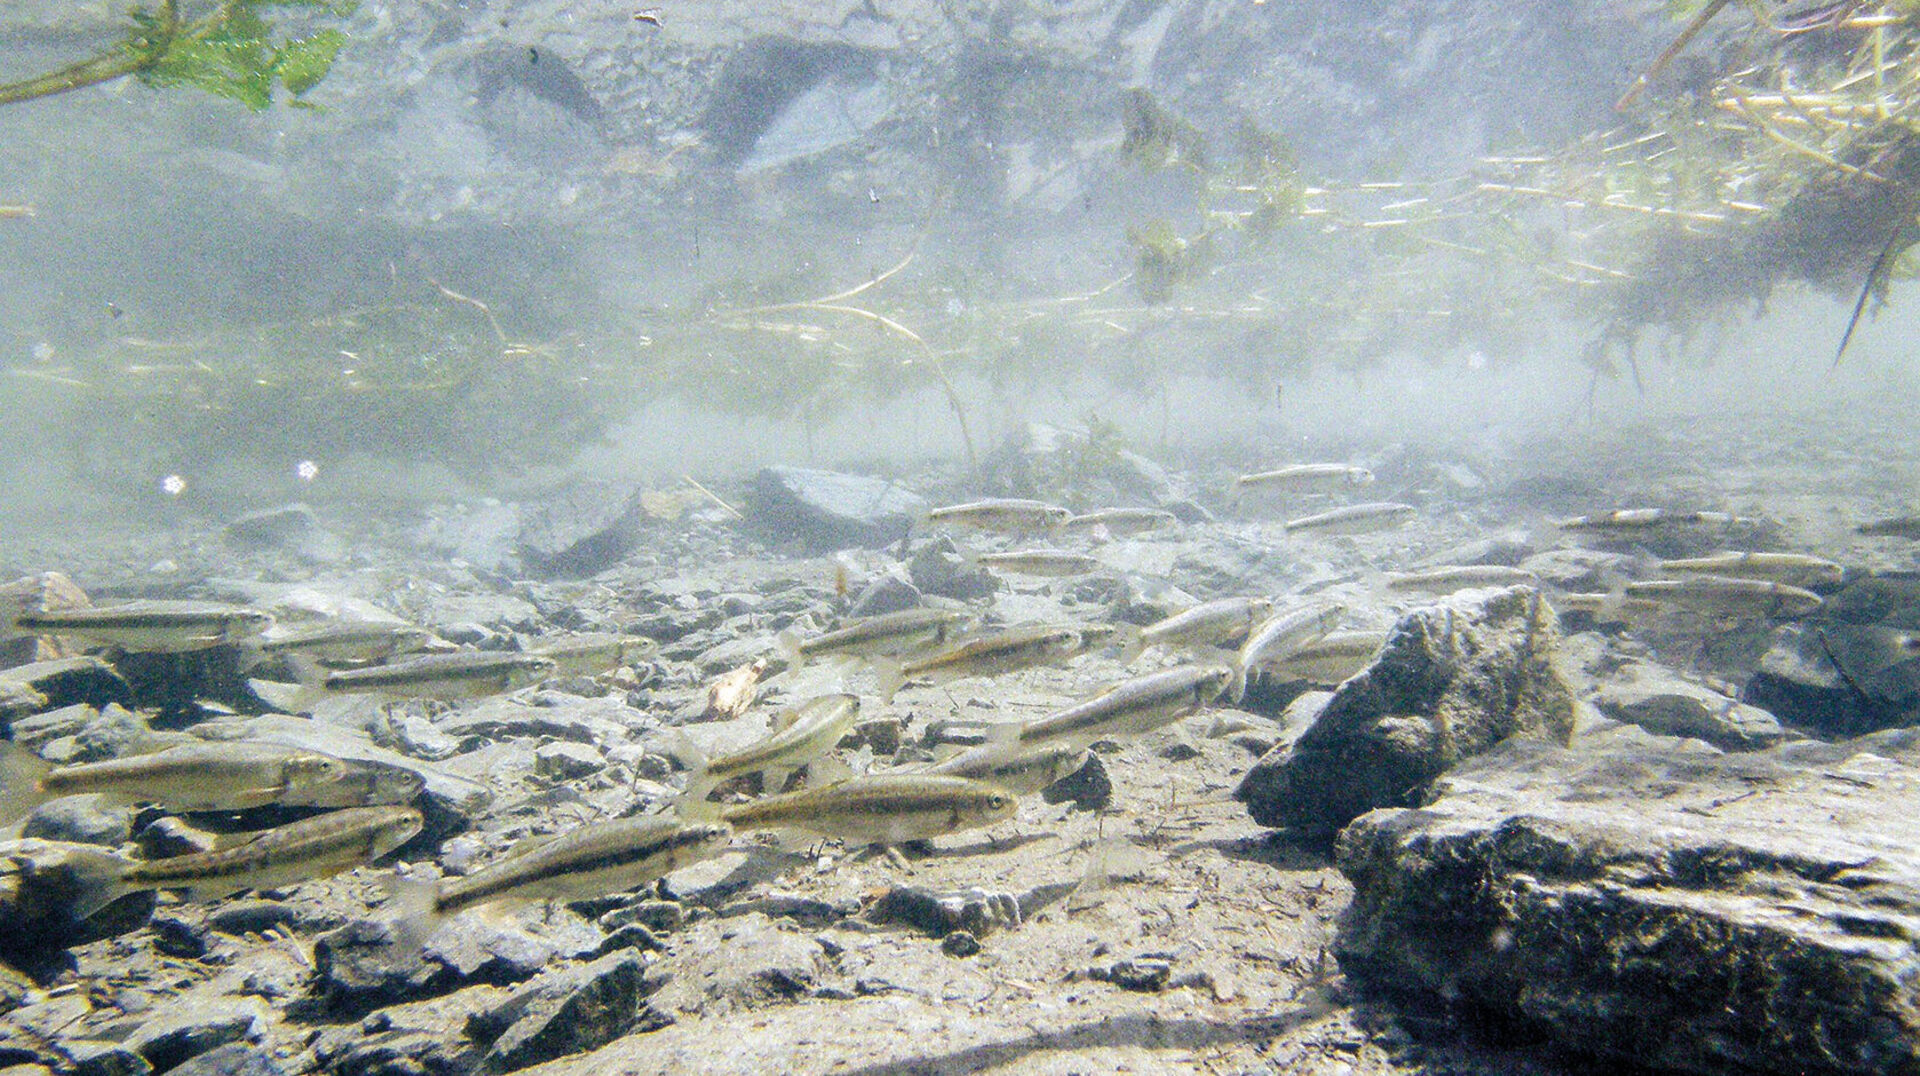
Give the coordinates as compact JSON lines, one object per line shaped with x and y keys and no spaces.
{"x":91,"y":1057}
{"x":829,"y":510}
{"x":1661,"y":702}
{"x":887,"y":594}
{"x":565,"y":761}
{"x":583,"y":721}
{"x":80,"y":820}
{"x":287,"y":525}
{"x":1454,"y":678}
{"x":1663,"y":907}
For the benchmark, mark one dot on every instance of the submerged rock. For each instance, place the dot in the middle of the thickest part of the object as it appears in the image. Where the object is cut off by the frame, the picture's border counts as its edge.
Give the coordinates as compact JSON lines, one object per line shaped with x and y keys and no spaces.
{"x":569,"y":1011}
{"x":939,"y":568}
{"x":38,"y":886}
{"x":1661,"y":702}
{"x":1671,"y":908}
{"x":47,"y":685}
{"x":1454,"y":679}
{"x":588,"y":529}
{"x":1840,"y":679}
{"x":827,"y":510}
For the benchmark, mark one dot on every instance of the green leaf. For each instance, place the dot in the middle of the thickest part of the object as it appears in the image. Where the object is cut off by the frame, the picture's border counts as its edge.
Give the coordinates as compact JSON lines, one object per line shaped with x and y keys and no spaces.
{"x":303,"y":62}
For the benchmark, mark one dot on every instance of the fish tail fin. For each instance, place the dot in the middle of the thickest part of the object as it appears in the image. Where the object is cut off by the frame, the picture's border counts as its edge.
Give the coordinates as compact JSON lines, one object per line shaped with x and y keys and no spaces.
{"x":693,"y":806}
{"x":21,"y":772}
{"x":890,"y":675}
{"x":415,"y":903}
{"x":1237,"y":687}
{"x":692,"y":803}
{"x":788,"y":643}
{"x":1004,"y":733}
{"x":97,"y":881}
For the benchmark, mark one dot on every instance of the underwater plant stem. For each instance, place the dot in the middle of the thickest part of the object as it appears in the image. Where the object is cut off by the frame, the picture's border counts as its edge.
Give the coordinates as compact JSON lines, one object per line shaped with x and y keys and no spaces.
{"x":1691,"y":31}
{"x":120,"y":63}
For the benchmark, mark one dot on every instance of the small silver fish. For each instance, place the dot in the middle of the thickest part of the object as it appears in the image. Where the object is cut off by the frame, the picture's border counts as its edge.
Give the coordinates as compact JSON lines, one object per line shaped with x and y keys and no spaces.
{"x":153,"y":626}
{"x":1051,"y":563}
{"x":1304,"y":474}
{"x":1329,"y":660}
{"x":1281,"y":635}
{"x":592,"y":654}
{"x":1016,"y":767}
{"x":1449,"y":578}
{"x":342,"y":642}
{"x":466,"y":675}
{"x":316,"y":847}
{"x":1895,"y":527}
{"x":593,"y":860}
{"x":881,"y":808}
{"x":1634,"y":519}
{"x":810,"y":730}
{"x":985,"y":655}
{"x":1216,"y":623}
{"x":1354,"y":518}
{"x":1130,"y":708}
{"x":1121,"y":522}
{"x":1793,"y":569}
{"x":1004,"y":514}
{"x":887,"y":635}
{"x":199,"y":777}
{"x":1730,"y":597}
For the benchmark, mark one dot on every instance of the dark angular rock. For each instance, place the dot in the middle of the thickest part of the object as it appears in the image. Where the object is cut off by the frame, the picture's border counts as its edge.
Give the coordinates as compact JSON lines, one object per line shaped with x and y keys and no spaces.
{"x":570,"y":1011}
{"x":887,"y":594}
{"x":1087,"y":788}
{"x":171,"y":1038}
{"x":91,"y":1057}
{"x":179,"y":937}
{"x":367,"y":964}
{"x":354,"y":1052}
{"x":588,"y":529}
{"x":68,"y":681}
{"x":975,"y":911}
{"x":1454,"y":679}
{"x":1145,"y":975}
{"x":233,"y":1059}
{"x":960,"y":944}
{"x":286,"y":525}
{"x":1679,"y":910}
{"x":1837,"y":679}
{"x":241,"y":917}
{"x":827,"y":510}
{"x":939,"y":568}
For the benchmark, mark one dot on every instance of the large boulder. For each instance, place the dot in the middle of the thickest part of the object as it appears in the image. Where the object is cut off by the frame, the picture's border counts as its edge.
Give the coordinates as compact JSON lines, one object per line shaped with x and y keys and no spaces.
{"x":828,"y":510}
{"x":1670,"y":907}
{"x":1453,"y":680}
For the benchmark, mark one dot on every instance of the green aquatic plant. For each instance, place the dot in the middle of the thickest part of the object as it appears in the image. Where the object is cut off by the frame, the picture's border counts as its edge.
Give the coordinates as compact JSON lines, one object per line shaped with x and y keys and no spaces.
{"x":232,"y":51}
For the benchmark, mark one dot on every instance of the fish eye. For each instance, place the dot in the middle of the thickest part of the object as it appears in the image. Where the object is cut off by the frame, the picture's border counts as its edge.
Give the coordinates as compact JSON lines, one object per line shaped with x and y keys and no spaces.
{"x":996,"y":801}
